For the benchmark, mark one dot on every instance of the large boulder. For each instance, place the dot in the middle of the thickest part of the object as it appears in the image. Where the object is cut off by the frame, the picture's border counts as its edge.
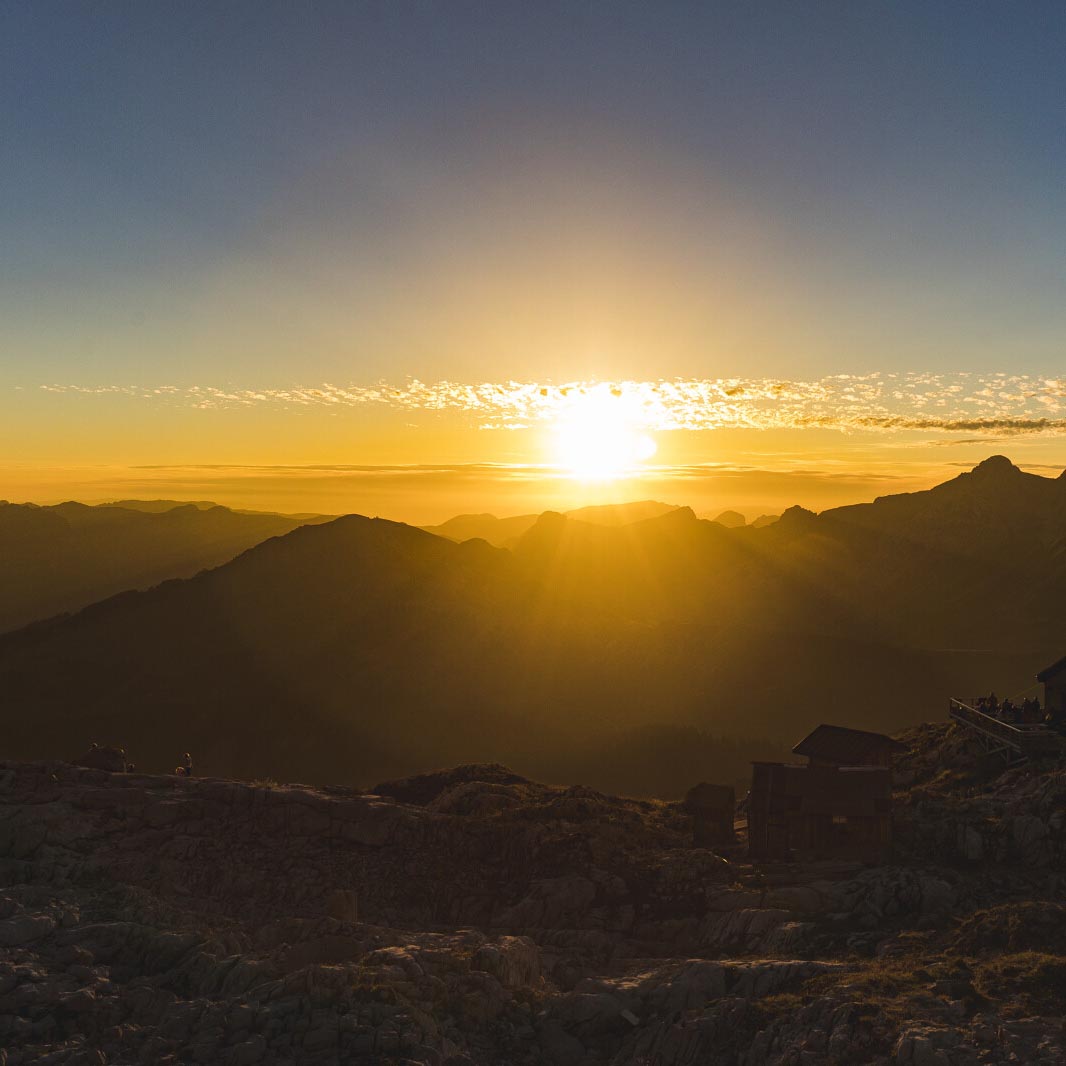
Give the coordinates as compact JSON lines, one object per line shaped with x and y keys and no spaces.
{"x":96,"y":758}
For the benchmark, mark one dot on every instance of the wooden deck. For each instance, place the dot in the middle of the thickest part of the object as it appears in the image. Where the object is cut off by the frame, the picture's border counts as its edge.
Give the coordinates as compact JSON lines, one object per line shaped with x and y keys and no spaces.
{"x":1015,"y":742}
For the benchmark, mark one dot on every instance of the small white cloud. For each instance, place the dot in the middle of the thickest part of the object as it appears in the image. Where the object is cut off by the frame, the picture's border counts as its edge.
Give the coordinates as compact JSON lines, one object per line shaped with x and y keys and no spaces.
{"x":996,"y":404}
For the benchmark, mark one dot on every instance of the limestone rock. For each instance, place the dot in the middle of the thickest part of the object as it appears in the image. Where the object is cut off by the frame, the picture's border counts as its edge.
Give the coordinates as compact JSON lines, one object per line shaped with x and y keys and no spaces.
{"x":474,"y":917}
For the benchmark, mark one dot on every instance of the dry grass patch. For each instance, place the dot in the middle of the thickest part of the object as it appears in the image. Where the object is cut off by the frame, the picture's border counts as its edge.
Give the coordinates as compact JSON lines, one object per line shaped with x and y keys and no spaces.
{"x":1026,"y":983}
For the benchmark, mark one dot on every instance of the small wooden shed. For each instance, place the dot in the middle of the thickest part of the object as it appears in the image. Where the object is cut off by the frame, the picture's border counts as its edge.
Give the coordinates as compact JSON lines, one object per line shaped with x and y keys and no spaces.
{"x":712,"y":808}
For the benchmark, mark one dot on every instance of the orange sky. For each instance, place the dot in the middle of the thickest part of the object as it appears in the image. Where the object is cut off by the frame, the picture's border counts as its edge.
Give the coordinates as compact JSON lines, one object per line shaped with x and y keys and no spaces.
{"x":423,"y":452}
{"x":421,"y":259}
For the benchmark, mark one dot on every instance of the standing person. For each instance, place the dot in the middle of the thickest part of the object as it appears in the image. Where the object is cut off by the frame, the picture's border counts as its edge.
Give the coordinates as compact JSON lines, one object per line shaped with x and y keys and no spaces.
{"x":187,"y":767}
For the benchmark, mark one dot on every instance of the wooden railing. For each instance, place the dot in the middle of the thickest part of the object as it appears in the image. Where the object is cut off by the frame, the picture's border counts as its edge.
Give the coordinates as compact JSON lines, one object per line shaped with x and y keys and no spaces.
{"x":1026,"y":740}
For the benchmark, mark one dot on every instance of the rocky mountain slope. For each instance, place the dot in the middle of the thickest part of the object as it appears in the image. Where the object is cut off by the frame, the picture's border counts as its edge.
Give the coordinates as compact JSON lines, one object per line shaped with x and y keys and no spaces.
{"x":62,"y":558}
{"x":475,"y":917}
{"x":983,"y":513}
{"x":364,"y":648}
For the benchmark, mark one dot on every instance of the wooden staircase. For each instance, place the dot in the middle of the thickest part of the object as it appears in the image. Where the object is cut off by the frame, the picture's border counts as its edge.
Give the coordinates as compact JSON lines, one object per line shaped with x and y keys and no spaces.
{"x":1016,"y":743}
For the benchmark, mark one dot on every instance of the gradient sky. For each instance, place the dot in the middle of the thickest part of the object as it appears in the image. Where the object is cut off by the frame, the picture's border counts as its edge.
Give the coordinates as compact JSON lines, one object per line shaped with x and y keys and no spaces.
{"x":222,"y":226}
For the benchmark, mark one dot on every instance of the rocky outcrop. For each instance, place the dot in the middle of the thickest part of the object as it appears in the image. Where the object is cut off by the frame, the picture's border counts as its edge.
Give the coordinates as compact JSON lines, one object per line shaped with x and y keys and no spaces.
{"x":962,"y":807}
{"x":474,"y":917}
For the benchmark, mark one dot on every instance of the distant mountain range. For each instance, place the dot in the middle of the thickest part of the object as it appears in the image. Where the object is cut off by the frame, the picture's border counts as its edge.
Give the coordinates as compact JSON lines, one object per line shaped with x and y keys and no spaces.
{"x":62,"y":558}
{"x":734,"y":519}
{"x":360,"y":649}
{"x":158,"y":506}
{"x":504,"y":532}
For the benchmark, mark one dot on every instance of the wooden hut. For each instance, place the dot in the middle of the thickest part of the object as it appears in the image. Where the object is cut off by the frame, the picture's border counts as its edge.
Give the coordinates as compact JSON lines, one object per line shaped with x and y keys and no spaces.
{"x":712,"y":808}
{"x":837,"y":806}
{"x":836,"y":745}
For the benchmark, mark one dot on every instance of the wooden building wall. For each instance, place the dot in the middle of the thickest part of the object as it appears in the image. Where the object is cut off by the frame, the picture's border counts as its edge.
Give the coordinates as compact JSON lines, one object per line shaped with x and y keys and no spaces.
{"x":1055,"y":693}
{"x":811,"y":812}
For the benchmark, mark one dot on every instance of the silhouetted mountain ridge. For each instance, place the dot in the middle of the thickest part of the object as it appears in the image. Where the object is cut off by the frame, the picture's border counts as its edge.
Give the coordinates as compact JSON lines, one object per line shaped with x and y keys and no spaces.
{"x":503,"y":532}
{"x":364,"y":648}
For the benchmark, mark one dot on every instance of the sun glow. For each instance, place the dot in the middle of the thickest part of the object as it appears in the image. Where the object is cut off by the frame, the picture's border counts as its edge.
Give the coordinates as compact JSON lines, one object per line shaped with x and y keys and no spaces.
{"x":598,"y":436}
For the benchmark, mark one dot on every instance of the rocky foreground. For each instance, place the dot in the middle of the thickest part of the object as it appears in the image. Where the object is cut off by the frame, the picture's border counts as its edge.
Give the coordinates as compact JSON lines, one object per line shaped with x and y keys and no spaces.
{"x":475,"y":917}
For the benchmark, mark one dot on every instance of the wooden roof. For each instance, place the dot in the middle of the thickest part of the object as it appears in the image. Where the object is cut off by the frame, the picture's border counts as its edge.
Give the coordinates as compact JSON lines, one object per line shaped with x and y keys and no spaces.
{"x":846,"y":747}
{"x":1052,"y":670}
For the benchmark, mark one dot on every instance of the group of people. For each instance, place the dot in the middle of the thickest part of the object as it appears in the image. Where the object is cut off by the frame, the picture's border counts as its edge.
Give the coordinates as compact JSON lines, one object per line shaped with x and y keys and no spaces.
{"x":1028,"y":712}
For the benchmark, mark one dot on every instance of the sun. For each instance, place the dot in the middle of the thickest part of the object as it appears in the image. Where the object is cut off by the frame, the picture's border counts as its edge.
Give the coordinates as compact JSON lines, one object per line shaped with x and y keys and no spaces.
{"x":598,"y":436}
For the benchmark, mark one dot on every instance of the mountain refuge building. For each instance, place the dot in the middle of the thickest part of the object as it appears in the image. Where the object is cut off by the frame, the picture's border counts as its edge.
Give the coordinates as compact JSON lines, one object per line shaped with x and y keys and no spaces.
{"x":1053,"y":678}
{"x":837,"y":806}
{"x":836,"y":745}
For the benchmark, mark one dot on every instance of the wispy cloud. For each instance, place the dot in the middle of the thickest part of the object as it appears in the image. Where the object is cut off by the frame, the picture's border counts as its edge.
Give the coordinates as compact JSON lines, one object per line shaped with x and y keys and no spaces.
{"x":994,"y":405}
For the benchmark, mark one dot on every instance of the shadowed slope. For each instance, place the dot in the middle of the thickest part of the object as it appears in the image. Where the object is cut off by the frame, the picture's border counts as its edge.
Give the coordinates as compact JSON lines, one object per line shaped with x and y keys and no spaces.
{"x":55,"y":559}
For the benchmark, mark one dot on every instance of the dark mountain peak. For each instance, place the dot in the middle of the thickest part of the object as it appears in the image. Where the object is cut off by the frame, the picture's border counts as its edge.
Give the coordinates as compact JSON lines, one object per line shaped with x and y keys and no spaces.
{"x":995,"y":466}
{"x":550,"y":520}
{"x":357,"y":539}
{"x":355,"y":529}
{"x":681,"y":516}
{"x":476,"y":548}
{"x":551,"y":531}
{"x":731,"y":519}
{"x":796,"y":518}
{"x":993,"y":478}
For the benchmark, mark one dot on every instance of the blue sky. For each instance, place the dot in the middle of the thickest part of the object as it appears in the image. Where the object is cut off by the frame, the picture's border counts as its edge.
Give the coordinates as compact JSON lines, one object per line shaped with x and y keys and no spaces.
{"x":174,"y":173}
{"x":261,"y":196}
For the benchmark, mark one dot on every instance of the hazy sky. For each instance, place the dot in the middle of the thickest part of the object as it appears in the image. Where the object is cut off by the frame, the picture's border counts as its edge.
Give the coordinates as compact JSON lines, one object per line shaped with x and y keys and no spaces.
{"x":224,"y":226}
